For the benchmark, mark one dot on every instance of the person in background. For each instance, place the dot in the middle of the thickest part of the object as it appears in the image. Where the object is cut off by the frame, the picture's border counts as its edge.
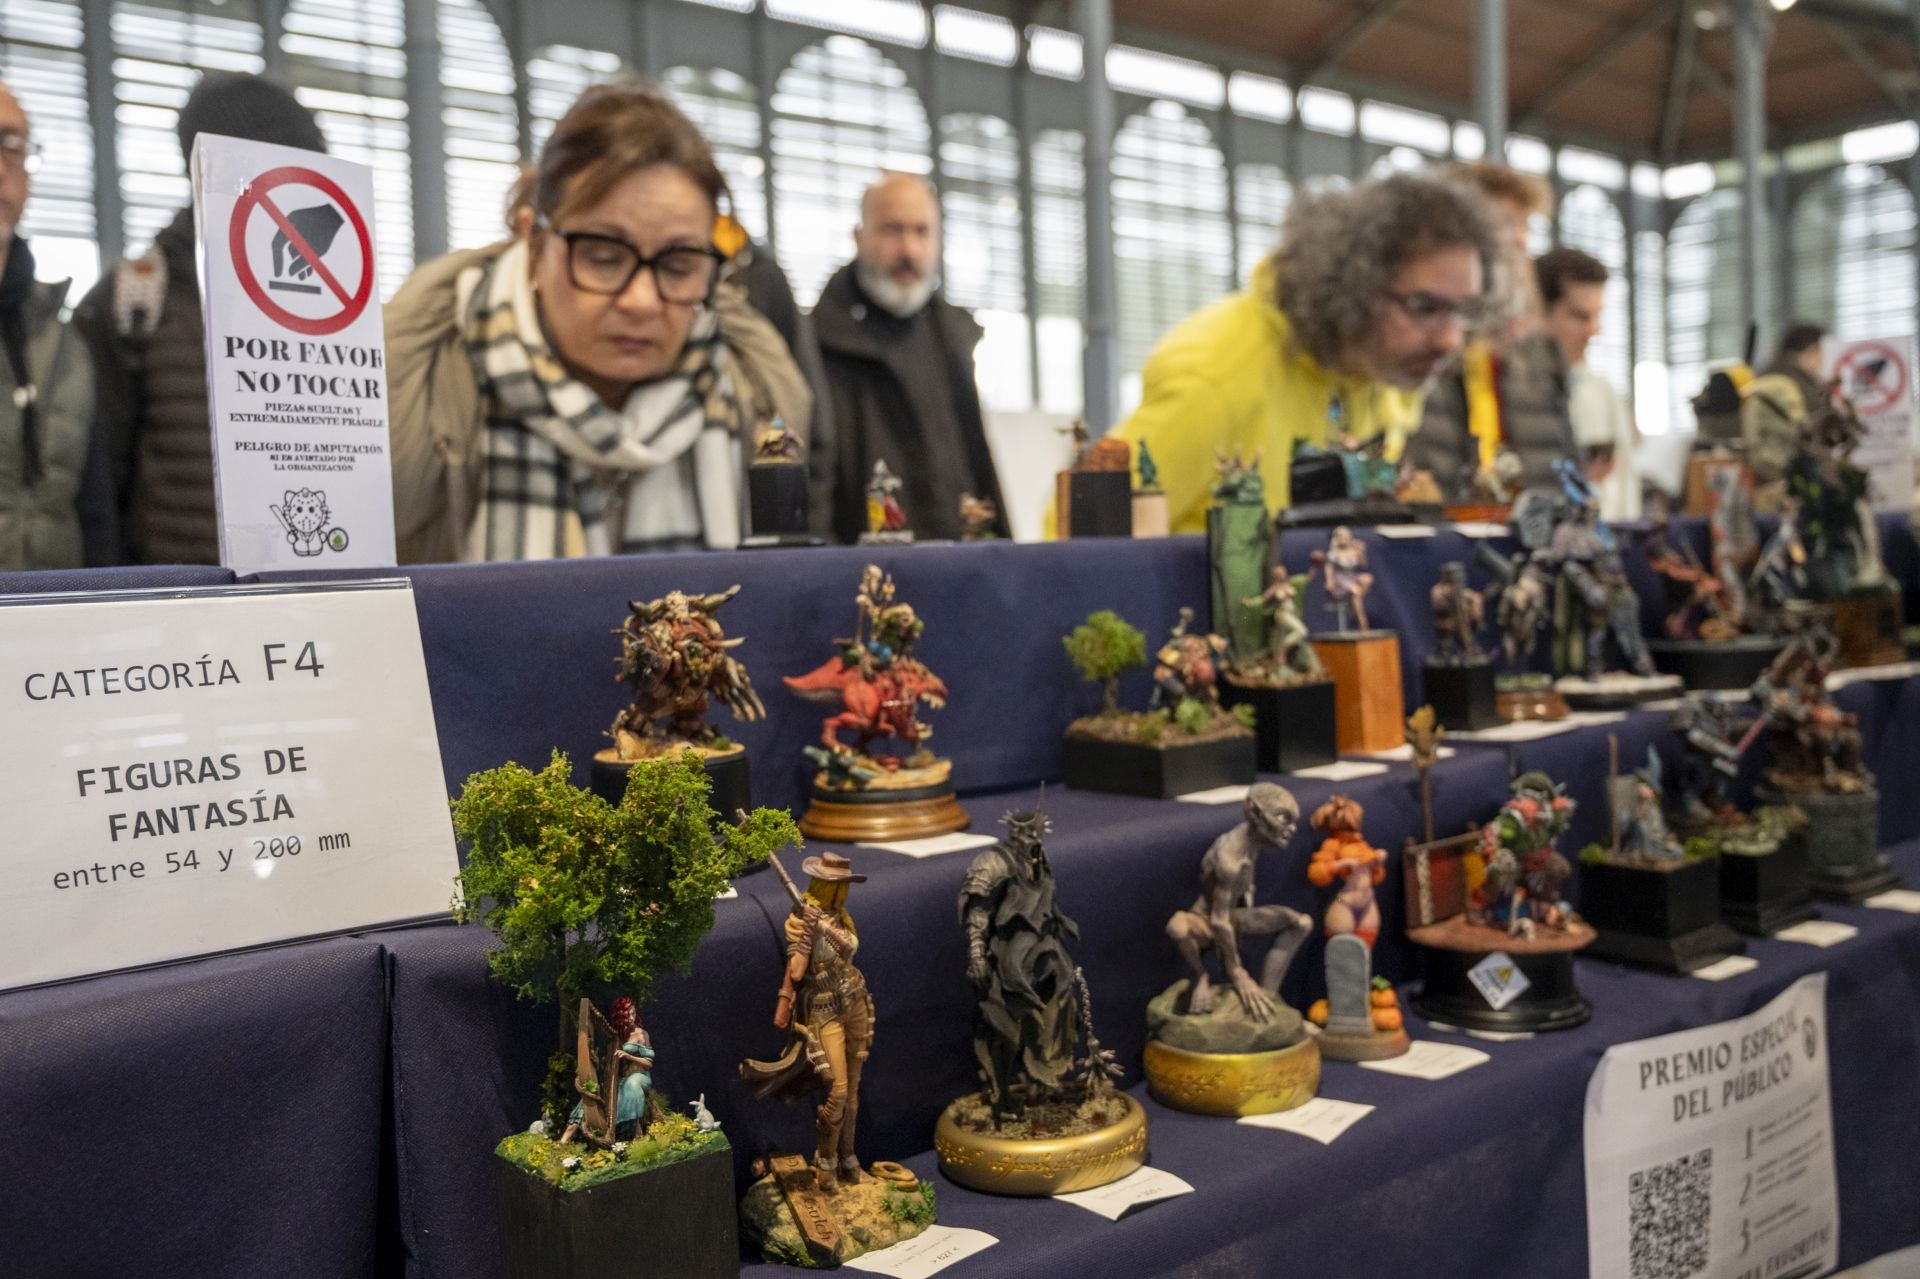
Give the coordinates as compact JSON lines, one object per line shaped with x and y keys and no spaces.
{"x":56,"y":503}
{"x":1573,"y":290}
{"x":899,"y":362}
{"x":1770,"y":412}
{"x":1371,"y":292}
{"x":143,"y":324}
{"x":591,"y":385}
{"x":1509,"y":392}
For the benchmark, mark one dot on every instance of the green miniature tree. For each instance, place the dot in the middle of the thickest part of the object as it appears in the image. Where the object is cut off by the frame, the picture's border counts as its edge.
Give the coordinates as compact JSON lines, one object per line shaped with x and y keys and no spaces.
{"x":1102,"y":649}
{"x":584,"y":894}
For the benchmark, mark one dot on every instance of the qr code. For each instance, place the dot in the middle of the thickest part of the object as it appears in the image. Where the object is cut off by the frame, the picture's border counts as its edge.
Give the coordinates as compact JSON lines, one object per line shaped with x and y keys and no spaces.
{"x":1669,"y":1211}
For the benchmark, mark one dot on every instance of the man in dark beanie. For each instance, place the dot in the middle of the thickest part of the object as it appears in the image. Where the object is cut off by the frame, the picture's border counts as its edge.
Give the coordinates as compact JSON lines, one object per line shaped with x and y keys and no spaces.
{"x":143,"y":324}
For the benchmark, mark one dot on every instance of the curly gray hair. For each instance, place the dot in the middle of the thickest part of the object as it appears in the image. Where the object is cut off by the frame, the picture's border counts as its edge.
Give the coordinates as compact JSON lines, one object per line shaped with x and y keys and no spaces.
{"x":1341,"y":248}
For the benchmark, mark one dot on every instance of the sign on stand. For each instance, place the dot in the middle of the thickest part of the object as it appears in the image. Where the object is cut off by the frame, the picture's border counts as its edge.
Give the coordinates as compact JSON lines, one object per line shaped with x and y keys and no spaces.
{"x":1877,"y":375}
{"x":1710,"y":1152}
{"x":296,"y":357}
{"x":192,"y":772}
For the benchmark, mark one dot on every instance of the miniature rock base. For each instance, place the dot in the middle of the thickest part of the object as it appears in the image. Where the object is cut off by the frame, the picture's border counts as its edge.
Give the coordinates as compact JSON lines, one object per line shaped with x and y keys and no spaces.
{"x":1616,"y":691}
{"x":980,"y":1157}
{"x":1225,"y":1028}
{"x":1667,"y":919}
{"x":1844,"y":862}
{"x":1462,"y":697}
{"x":1451,"y":949}
{"x":1518,"y":698}
{"x":1294,"y":725}
{"x":1094,"y":503}
{"x":1159,"y":771}
{"x":687,"y":1208}
{"x":729,"y":772}
{"x":1234,"y":1084}
{"x":1727,"y":665}
{"x":1761,"y":893}
{"x":1370,"y":707}
{"x":867,"y":1217}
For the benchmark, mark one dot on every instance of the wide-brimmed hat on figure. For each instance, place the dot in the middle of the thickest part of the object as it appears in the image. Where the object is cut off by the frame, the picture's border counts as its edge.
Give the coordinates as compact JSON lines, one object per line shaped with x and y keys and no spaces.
{"x":832,"y":868}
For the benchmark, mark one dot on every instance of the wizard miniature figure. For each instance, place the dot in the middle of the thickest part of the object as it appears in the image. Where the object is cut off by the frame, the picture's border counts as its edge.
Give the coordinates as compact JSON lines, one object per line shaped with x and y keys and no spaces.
{"x":875,"y":687}
{"x":886,"y":519}
{"x":678,"y":659}
{"x":833,"y":1209}
{"x":1360,"y":1018}
{"x":1047,"y":1119}
{"x":1458,"y":677}
{"x":1238,"y":1051}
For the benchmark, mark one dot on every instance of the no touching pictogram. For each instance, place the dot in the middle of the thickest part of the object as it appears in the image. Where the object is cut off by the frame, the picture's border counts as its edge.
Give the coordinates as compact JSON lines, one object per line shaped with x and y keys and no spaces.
{"x":1873,"y":375}
{"x":286,"y":227}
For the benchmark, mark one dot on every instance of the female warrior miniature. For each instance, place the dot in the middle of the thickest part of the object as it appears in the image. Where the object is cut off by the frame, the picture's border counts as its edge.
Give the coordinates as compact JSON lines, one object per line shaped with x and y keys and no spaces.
{"x":1344,"y":564}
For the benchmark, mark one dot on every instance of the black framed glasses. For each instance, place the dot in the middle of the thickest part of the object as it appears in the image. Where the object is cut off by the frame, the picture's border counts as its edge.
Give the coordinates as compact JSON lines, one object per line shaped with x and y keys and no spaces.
{"x":607,"y":265}
{"x":1431,"y":311}
{"x":17,"y":151}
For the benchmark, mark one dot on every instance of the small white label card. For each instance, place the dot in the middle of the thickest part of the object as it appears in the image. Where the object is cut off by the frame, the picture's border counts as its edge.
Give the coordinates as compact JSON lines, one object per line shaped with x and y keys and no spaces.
{"x":731,"y":894}
{"x":1480,"y":528}
{"x":1218,"y":795}
{"x":1902,"y":899}
{"x":934,"y":845}
{"x":1818,"y":932}
{"x":1406,"y":530}
{"x":1430,"y":1059}
{"x":1403,"y":754}
{"x":1341,"y":770}
{"x":1892,"y":670}
{"x":1138,"y":1188}
{"x":1520,"y":730}
{"x":925,"y":1254}
{"x":1498,"y":979}
{"x":1721,"y":969}
{"x":1322,"y":1119}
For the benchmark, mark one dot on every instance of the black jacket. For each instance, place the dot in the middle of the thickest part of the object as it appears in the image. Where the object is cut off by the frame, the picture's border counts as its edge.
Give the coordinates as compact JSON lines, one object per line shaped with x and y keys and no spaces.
{"x":874,"y":417}
{"x":771,"y":295}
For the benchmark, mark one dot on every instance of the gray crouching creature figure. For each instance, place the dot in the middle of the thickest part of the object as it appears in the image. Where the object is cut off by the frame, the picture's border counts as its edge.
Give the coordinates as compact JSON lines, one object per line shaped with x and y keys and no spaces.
{"x":1223,"y":914}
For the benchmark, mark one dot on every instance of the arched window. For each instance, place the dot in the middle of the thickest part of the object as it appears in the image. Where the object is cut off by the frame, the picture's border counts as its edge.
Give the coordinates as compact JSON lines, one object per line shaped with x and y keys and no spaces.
{"x":1060,"y":267}
{"x":557,"y":74}
{"x":722,"y":105}
{"x":1703,"y":294}
{"x":348,"y":59}
{"x":1591,"y":222}
{"x":41,"y":62}
{"x":1261,"y":194}
{"x":980,"y":208}
{"x":1170,"y":231}
{"x":1853,"y":239}
{"x":843,"y":113}
{"x":161,"y":48}
{"x":482,"y":123}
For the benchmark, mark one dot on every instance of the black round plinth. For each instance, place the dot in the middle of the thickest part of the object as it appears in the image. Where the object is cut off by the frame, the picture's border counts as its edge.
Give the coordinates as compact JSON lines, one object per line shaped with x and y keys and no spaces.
{"x":732,"y":784}
{"x":1730,"y":664}
{"x":1551,"y":1001}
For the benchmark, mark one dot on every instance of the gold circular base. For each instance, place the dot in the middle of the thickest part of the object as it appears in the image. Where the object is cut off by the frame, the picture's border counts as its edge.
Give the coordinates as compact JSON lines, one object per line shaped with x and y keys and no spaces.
{"x":1042,"y":1166}
{"x":878,"y":823}
{"x":1233,"y":1084}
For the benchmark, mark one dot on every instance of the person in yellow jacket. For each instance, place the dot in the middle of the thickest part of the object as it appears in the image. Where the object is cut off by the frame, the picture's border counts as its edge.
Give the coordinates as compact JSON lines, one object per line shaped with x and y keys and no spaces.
{"x":1372,"y":291}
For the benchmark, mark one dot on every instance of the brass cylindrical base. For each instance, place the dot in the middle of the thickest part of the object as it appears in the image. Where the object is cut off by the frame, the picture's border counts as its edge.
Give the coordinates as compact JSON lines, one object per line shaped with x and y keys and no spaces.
{"x":883,"y":822}
{"x":1234,"y":1084}
{"x":1042,"y":1166}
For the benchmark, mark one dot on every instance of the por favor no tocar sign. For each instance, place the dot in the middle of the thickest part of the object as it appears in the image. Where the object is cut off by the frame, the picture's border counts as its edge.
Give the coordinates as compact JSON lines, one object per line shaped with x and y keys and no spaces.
{"x":289,"y":222}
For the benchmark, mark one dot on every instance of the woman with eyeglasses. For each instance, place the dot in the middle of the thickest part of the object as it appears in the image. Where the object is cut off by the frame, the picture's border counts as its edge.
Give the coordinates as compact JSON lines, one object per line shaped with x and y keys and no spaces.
{"x":590,"y":386}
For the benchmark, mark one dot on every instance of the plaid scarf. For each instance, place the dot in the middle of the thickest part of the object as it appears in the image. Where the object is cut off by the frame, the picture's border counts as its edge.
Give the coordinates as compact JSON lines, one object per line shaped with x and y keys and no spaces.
{"x":563,"y":474}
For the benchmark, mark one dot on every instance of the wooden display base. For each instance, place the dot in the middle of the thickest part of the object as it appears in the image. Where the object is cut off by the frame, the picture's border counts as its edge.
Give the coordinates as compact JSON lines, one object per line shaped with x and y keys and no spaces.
{"x":1868,"y":628}
{"x":1094,"y":503}
{"x":687,"y":1208}
{"x":1370,"y":709}
{"x":1157,"y":772}
{"x":1150,"y":518}
{"x":1039,"y":1166}
{"x":1665,"y":919}
{"x":1378,"y":1046}
{"x":1762,"y":893}
{"x":1551,"y":1000}
{"x":1233,"y":1084}
{"x":1727,"y":665}
{"x":878,"y":817}
{"x":1462,"y":697}
{"x":1294,"y":725}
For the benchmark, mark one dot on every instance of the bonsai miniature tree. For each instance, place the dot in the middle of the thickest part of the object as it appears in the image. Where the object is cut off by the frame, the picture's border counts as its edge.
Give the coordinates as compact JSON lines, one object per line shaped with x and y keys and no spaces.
{"x":587,"y":896}
{"x":1102,"y":649}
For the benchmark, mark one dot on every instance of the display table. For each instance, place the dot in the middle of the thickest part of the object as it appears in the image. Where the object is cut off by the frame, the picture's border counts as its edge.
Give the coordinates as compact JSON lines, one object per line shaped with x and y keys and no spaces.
{"x":321,"y":1108}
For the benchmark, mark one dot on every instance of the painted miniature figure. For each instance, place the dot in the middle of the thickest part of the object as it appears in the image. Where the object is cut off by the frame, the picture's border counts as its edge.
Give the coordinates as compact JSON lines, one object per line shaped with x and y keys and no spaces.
{"x":1093,"y":496}
{"x":1289,"y":652}
{"x":676,"y":657}
{"x":1237,"y":479}
{"x":1524,"y":871}
{"x":1360,"y":1017}
{"x":775,"y":443}
{"x":1842,"y":539}
{"x":1187,"y":667}
{"x":1639,"y":810}
{"x":778,"y":501}
{"x":1149,"y":469}
{"x":832,"y":1209}
{"x":1701,"y":604}
{"x":1525,"y":599}
{"x":979,"y":517}
{"x":1044,"y":1076}
{"x":886,"y":521}
{"x":1598,"y":614}
{"x":1458,"y":613}
{"x":632,"y":1067}
{"x":1779,"y":576}
{"x":1345,"y":576}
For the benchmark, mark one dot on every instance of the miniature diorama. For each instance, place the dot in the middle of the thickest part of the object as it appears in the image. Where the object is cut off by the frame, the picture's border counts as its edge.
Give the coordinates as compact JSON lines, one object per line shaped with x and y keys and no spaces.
{"x":1271,"y":665}
{"x":1369,"y":706}
{"x":1150,"y":517}
{"x":677,"y":659}
{"x":1093,"y":497}
{"x":1844,"y":569}
{"x":1360,"y":1018}
{"x":1458,"y":675}
{"x":1523,"y":595}
{"x":1047,"y":1119}
{"x":876,"y":687}
{"x":1497,"y":939}
{"x":827,"y":1210}
{"x":1352,"y":482}
{"x":1184,"y":742}
{"x":593,"y":902}
{"x":1762,"y":854}
{"x":979,"y":519}
{"x":1715,"y":632}
{"x":1241,"y":1050}
{"x":777,"y":503}
{"x":1652,"y":899}
{"x":886,"y":518}
{"x":1818,"y":766}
